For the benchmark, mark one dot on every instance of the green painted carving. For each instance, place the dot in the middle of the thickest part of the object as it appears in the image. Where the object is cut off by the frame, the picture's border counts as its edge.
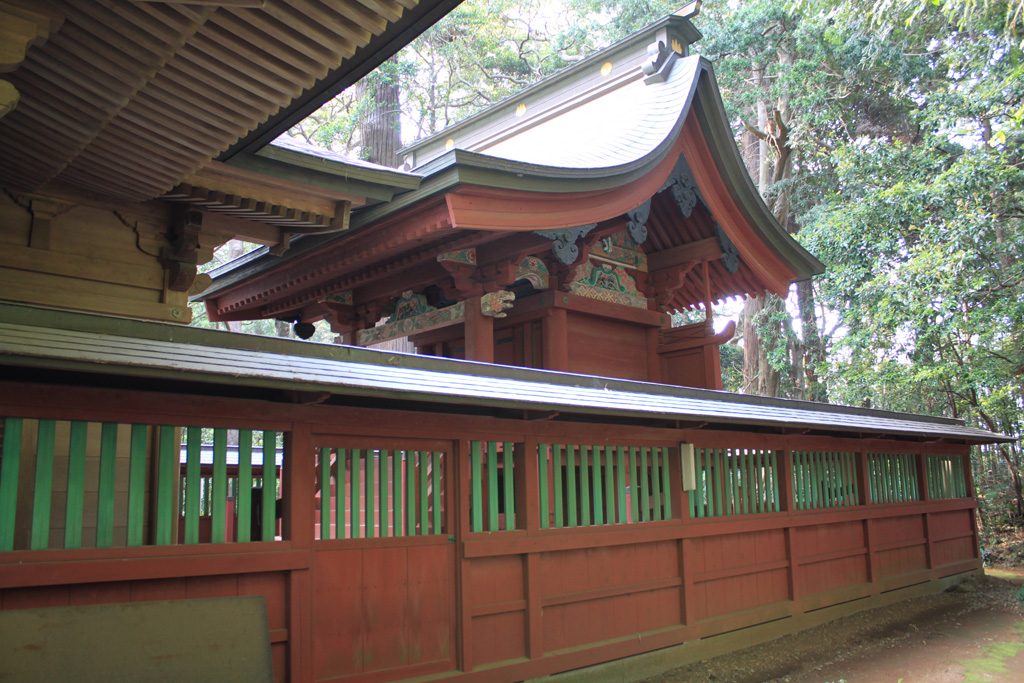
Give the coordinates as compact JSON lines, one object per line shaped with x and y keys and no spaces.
{"x":432,"y":319}
{"x":610,"y":283}
{"x":620,"y":249}
{"x":344,"y":298}
{"x":533,"y":270}
{"x":409,"y":305}
{"x":466,"y":256}
{"x":497,"y":304}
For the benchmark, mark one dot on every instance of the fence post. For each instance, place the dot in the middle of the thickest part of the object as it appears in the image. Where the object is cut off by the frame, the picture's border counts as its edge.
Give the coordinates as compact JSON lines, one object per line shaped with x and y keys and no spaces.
{"x":297,"y":526}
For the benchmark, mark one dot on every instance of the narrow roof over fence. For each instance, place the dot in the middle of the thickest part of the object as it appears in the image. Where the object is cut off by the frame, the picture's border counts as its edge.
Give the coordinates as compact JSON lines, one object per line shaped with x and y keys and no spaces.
{"x":31,"y":337}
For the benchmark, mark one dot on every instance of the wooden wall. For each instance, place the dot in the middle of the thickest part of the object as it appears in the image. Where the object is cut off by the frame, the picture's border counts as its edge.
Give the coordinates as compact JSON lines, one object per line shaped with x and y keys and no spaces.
{"x":525,"y":597}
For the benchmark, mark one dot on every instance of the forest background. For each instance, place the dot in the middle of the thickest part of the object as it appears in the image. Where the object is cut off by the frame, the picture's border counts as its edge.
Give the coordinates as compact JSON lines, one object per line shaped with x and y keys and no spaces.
{"x":886,"y":135}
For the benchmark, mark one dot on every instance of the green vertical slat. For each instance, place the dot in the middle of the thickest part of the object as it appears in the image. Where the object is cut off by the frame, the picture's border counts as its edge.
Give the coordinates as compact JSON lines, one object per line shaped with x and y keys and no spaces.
{"x":666,"y":486}
{"x":424,"y":493}
{"x":585,"y":485}
{"x":43,"y":497}
{"x":193,"y":446}
{"x":697,"y":496}
{"x":933,"y":489}
{"x":828,"y":484}
{"x":597,"y":485}
{"x":105,"y":494}
{"x":805,"y":491}
{"x":369,"y":496}
{"x":340,"y":481}
{"x":721,"y":456}
{"x":9,"y":467}
{"x":748,"y":475}
{"x":645,"y":493}
{"x":410,"y":490}
{"x":572,"y":499}
{"x":731,"y":501}
{"x":556,"y":470}
{"x":609,"y":485}
{"x":620,"y":480}
{"x":855,"y":497}
{"x":435,"y":491}
{"x":399,"y":457}
{"x":220,"y":484}
{"x":797,"y":471}
{"x":508,"y":453}
{"x":492,"y":485}
{"x":269,"y":493}
{"x":913,"y":474}
{"x":476,"y":474}
{"x":775,"y":481}
{"x":166,"y":514}
{"x":757,"y":456}
{"x":542,"y":479}
{"x":815,"y":467}
{"x":887,"y":478}
{"x":355,"y":492}
{"x":243,"y":497}
{"x":382,"y":483}
{"x":75,"y":501}
{"x":325,"y":494}
{"x":655,"y":486}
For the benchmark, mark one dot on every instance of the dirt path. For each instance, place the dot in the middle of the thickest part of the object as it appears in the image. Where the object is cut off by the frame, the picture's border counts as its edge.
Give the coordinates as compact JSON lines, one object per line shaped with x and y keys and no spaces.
{"x":974,"y":634}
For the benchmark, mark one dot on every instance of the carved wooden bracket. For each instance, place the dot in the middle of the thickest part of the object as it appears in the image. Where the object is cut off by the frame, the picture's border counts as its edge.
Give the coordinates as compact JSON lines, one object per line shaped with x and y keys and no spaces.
{"x":45,"y":212}
{"x":181,"y":257}
{"x":497,"y":304}
{"x":461,"y":265}
{"x":664,"y":284}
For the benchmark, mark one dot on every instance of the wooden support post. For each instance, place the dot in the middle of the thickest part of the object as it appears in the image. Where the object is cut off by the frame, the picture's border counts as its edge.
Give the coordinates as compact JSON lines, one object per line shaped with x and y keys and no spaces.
{"x":556,"y":340}
{"x":921,"y":459}
{"x":785,"y":464}
{"x":297,"y":526}
{"x":479,"y":333}
{"x":965,"y":461}
{"x":687,"y":573}
{"x":460,"y":493}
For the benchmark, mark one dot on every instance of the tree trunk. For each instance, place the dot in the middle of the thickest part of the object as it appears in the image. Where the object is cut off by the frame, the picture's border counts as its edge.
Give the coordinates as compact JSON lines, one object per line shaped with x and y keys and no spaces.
{"x":380,"y":130}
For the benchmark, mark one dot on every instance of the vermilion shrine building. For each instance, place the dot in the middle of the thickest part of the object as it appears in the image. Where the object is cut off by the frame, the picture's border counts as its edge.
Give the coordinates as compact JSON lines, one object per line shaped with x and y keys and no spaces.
{"x":579,"y":495}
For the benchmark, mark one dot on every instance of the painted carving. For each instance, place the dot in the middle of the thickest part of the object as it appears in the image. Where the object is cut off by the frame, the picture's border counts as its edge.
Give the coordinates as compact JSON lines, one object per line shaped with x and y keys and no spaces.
{"x":637,"y":226}
{"x":497,"y":304}
{"x":684,"y":191}
{"x":423,"y":322}
{"x":409,"y":305}
{"x":659,"y":64}
{"x":609,"y":283}
{"x":533,"y":270}
{"x":564,"y":242}
{"x":342,"y":298}
{"x":620,"y":249}
{"x":730,"y":254}
{"x":464,"y":256}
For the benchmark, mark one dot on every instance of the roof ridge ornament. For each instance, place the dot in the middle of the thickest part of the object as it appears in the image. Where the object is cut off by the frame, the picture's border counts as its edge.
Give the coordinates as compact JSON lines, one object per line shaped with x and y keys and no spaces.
{"x":564,"y":242}
{"x":661,"y":59}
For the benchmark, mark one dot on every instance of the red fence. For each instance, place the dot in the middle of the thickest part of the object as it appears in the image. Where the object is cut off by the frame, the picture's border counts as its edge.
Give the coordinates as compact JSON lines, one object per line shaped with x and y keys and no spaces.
{"x":416,"y":543}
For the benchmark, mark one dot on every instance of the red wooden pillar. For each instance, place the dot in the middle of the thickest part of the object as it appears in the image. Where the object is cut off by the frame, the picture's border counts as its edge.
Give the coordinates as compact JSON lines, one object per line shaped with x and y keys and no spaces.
{"x":681,"y":505}
{"x":555,"y":327}
{"x":298,"y":522}
{"x":785,"y":461}
{"x":460,"y":492}
{"x":479,"y":333}
{"x":528,"y":518}
{"x":864,"y":488}
{"x":965,"y":462}
{"x":922,"y":485}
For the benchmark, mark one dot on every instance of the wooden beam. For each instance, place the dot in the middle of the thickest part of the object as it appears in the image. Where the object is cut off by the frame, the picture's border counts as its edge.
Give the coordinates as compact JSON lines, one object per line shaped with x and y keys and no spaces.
{"x":700,"y":251}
